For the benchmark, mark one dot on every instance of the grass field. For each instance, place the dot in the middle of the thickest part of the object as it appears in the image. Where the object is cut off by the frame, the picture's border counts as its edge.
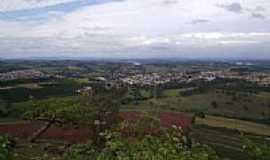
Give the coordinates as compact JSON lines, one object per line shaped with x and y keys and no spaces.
{"x":234,"y":124}
{"x":227,"y":143}
{"x":237,"y":106}
{"x":45,"y":149}
{"x":254,"y":107}
{"x":223,"y":134}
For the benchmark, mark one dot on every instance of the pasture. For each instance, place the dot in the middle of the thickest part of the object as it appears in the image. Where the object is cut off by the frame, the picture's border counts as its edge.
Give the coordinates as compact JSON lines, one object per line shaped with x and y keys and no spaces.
{"x":240,"y":105}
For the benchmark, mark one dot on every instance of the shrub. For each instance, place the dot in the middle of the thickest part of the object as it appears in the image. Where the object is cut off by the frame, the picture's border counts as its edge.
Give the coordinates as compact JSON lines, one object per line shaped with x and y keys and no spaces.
{"x":170,"y":146}
{"x":200,"y":114}
{"x":5,"y":148}
{"x":3,"y":111}
{"x":257,"y":152}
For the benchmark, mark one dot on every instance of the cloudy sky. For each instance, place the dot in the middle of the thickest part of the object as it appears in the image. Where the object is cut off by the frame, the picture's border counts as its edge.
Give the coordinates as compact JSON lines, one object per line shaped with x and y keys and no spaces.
{"x":135,"y":28}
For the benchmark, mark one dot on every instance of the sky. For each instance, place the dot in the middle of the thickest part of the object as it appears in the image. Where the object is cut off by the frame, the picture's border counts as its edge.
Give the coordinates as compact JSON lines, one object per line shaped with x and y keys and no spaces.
{"x":135,"y":28}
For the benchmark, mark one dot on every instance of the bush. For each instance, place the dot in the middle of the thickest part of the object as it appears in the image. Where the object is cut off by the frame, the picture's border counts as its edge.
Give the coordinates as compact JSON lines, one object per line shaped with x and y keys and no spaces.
{"x":3,"y":111}
{"x":171,"y":146}
{"x":257,"y":152}
{"x":147,"y":124}
{"x":200,"y":114}
{"x":5,"y":148}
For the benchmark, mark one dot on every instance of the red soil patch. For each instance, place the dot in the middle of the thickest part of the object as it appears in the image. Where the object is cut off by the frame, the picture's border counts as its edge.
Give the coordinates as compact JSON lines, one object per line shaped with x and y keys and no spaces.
{"x":167,"y":119}
{"x":179,"y":119}
{"x":25,"y":130}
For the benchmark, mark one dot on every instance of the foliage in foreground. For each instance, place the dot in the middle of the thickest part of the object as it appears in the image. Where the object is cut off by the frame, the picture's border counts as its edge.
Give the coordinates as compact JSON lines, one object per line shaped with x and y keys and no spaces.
{"x":171,"y":146}
{"x":5,"y":148}
{"x":96,"y":112}
{"x":257,"y":152}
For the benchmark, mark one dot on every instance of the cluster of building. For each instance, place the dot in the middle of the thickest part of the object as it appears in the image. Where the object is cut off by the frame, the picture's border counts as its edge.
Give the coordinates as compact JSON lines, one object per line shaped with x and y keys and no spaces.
{"x":22,"y":74}
{"x":262,"y":79}
{"x":163,"y":78}
{"x":152,"y":79}
{"x":136,"y":75}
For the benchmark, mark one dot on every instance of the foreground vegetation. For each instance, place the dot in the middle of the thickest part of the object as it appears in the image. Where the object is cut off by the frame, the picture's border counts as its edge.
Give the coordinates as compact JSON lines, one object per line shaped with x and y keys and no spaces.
{"x":171,"y":145}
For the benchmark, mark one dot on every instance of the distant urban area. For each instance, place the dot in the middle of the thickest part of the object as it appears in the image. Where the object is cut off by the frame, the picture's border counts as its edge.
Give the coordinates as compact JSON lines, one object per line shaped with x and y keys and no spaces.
{"x":135,"y":73}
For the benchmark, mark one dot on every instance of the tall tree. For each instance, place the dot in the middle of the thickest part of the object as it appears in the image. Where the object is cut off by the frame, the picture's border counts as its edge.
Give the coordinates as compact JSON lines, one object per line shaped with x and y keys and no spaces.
{"x":95,"y":111}
{"x":50,"y":112}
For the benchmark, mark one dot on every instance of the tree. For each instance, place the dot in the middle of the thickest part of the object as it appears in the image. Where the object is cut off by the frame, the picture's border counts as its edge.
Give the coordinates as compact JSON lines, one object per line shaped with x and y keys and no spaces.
{"x":158,"y":91}
{"x":104,"y":111}
{"x":136,"y":94}
{"x":199,"y":114}
{"x":147,"y":125}
{"x":94,"y":111}
{"x":4,"y":108}
{"x":245,"y":107}
{"x":214,"y":104}
{"x":52,"y":111}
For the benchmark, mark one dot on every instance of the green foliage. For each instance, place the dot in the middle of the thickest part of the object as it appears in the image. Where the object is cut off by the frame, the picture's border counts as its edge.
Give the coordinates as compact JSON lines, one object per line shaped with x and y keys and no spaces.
{"x":200,"y":114}
{"x":5,"y":148}
{"x":171,"y":146}
{"x":78,"y":110}
{"x":3,"y":108}
{"x":136,"y":95}
{"x":255,"y":151}
{"x":100,"y":112}
{"x":214,"y":104}
{"x":57,"y":89}
{"x":3,"y":111}
{"x":159,"y":91}
{"x":54,"y":111}
{"x":145,"y":125}
{"x":55,"y":108}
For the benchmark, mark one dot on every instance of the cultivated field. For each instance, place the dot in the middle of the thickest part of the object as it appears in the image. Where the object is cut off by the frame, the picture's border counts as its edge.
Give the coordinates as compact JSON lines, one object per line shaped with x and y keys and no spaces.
{"x":227,"y":142}
{"x":238,"y":105}
{"x":26,"y":129}
{"x":234,"y":124}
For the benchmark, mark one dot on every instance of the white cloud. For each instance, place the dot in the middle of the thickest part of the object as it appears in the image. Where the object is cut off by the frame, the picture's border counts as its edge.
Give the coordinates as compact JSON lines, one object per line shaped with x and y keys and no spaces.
{"x":200,"y":39}
{"x":238,"y":42}
{"x":12,"y":5}
{"x":146,"y":26}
